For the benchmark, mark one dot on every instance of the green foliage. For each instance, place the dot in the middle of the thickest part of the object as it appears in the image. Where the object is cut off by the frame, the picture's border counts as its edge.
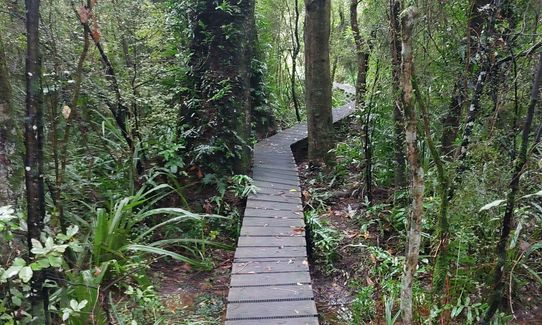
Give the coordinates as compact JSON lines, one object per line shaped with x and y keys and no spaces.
{"x":363,"y":306}
{"x":324,"y":238}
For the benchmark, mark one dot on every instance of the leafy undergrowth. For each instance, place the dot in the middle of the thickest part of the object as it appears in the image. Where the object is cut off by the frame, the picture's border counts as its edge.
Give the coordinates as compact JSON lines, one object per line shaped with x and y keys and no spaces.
{"x":357,"y":259}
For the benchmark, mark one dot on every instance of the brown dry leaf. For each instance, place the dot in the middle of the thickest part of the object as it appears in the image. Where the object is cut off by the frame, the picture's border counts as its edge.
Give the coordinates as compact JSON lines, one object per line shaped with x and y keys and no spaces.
{"x":96,"y":35}
{"x":299,"y":230}
{"x":373,"y":258}
{"x":207,"y":207}
{"x":306,"y":195}
{"x":84,"y":14}
{"x":351,"y":234}
{"x":369,"y":281}
{"x":524,"y":245}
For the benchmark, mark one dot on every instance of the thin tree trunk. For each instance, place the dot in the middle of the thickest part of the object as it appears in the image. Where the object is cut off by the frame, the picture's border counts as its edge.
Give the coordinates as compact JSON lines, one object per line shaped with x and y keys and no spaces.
{"x":452,"y":118}
{"x":398,"y":119}
{"x":35,"y":195}
{"x":7,"y":147}
{"x":361,"y":54}
{"x":318,"y":81}
{"x":295,"y":53}
{"x":119,"y":110}
{"x":500,"y":268}
{"x":361,"y":89}
{"x":417,"y":184}
{"x":443,"y":230}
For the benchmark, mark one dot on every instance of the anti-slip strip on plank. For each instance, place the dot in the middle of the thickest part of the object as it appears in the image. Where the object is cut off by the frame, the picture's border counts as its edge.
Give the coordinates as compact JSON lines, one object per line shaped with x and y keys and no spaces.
{"x":268,"y":285}
{"x":269,"y":317}
{"x":282,"y":321}
{"x":276,"y":272}
{"x":268,"y":300}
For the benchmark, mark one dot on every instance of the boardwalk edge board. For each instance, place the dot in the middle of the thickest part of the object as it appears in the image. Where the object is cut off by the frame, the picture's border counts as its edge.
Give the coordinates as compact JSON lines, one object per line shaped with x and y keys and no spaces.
{"x":270,"y":281}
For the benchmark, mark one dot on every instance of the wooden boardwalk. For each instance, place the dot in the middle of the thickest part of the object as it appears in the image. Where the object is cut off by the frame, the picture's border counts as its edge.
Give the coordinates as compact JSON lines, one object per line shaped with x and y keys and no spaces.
{"x":270,"y":282}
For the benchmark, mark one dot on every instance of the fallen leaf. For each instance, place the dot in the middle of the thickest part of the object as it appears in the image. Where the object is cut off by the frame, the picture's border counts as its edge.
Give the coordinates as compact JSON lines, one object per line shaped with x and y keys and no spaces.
{"x":299,"y":230}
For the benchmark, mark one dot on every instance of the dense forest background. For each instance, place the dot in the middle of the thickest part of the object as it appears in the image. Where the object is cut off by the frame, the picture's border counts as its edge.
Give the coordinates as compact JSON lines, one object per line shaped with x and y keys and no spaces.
{"x":126,"y":130}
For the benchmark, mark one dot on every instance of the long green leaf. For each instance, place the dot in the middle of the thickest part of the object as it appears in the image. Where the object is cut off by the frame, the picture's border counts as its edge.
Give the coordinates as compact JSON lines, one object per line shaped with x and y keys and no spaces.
{"x":164,"y":252}
{"x":169,"y":221}
{"x":167,"y":242}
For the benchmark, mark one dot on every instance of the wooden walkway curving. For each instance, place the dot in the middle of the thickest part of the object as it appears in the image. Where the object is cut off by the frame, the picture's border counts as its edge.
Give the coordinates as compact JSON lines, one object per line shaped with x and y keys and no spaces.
{"x":270,"y":282}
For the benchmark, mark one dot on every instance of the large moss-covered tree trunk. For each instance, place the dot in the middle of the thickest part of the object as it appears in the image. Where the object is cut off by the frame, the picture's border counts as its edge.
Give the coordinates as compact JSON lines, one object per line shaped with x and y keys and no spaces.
{"x":217,"y":112}
{"x":318,"y":80}
{"x":7,"y":147}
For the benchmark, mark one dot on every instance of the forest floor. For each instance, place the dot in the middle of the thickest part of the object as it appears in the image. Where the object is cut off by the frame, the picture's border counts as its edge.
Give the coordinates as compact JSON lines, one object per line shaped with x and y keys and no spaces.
{"x":193,"y":296}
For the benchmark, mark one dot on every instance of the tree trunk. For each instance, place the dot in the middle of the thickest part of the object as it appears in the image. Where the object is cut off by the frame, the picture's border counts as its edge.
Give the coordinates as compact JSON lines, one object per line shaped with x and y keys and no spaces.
{"x":452,"y":119}
{"x":34,"y":155}
{"x":399,"y":123}
{"x":443,"y":229}
{"x":219,"y":107}
{"x":413,"y":156}
{"x":496,"y":297}
{"x":362,"y":55}
{"x":318,"y":81}
{"x":295,"y":52}
{"x":7,"y":146}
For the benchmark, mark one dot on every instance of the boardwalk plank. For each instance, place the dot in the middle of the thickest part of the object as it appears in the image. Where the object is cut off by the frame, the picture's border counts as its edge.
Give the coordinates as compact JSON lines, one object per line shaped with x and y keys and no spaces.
{"x":277,"y":321}
{"x":253,"y":294}
{"x":258,"y":241}
{"x":263,"y":184}
{"x":270,"y":170}
{"x":275,"y":180}
{"x":277,"y":167}
{"x":269,"y":252}
{"x":261,"y":174}
{"x":271,"y":266}
{"x":270,"y":279}
{"x":272,"y":222}
{"x":278,"y":191}
{"x":271,"y":309}
{"x":268,"y":205}
{"x":261,"y":213}
{"x":273,"y":231}
{"x":273,"y":198}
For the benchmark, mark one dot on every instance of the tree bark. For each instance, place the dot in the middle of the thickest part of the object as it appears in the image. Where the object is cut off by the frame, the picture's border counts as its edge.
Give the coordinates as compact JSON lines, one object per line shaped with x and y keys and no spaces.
{"x":295,"y":53}
{"x":443,"y":229}
{"x":362,"y":54}
{"x":35,"y":195}
{"x":452,"y":119}
{"x":318,"y":81}
{"x":398,"y":119}
{"x":417,"y":183}
{"x":7,"y":132}
{"x":500,"y":268}
{"x":220,"y":104}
